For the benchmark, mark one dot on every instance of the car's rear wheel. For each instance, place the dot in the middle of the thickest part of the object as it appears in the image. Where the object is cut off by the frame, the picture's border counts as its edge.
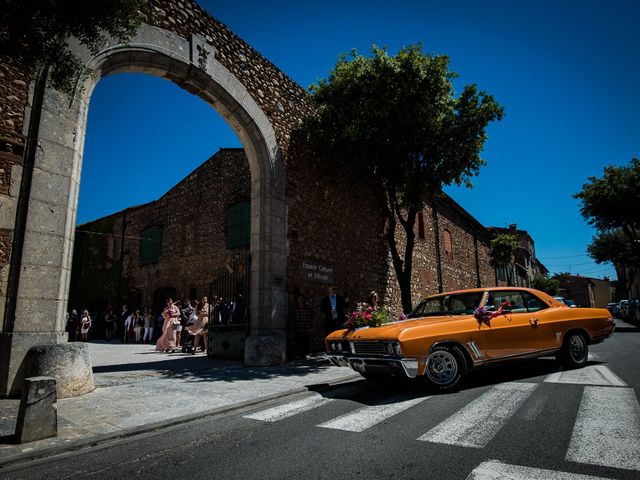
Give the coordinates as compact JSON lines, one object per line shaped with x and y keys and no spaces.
{"x":575,"y":351}
{"x":446,"y":367}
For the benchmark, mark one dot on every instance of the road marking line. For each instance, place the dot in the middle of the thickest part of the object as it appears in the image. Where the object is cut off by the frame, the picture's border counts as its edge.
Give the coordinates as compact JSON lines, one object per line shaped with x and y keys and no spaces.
{"x":607,"y":429}
{"x":366,"y":417}
{"x":494,"y":470}
{"x":477,"y":423}
{"x":591,"y":375}
{"x":289,"y":409}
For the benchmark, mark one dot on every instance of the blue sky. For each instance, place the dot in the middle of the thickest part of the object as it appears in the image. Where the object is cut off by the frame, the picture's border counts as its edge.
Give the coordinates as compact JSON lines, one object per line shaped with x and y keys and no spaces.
{"x":567,"y":73}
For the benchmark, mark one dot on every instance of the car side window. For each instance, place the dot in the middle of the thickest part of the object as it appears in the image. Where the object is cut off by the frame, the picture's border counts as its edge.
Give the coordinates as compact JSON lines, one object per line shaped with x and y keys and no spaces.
{"x":533,"y":303}
{"x":513,"y":297}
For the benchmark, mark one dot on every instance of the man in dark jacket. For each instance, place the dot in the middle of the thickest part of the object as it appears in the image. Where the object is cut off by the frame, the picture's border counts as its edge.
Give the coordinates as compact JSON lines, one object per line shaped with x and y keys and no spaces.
{"x":332,"y":308}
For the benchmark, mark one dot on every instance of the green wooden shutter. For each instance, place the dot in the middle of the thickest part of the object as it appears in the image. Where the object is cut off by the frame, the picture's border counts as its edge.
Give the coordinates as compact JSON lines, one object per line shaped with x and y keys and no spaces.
{"x":151,"y":246}
{"x":239,"y":225}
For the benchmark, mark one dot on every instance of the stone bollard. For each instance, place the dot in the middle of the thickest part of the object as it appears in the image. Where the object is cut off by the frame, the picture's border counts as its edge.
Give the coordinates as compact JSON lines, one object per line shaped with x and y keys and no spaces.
{"x":38,"y":414}
{"x":68,"y":363}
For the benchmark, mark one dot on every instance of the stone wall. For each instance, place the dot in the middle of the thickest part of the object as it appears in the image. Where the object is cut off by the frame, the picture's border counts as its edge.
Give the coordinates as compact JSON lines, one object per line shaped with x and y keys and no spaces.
{"x":192,"y":217}
{"x":14,"y":92}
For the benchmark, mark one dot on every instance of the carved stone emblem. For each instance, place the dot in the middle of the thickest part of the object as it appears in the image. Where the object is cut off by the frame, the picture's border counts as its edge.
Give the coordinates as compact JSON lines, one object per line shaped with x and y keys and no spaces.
{"x":201,"y":52}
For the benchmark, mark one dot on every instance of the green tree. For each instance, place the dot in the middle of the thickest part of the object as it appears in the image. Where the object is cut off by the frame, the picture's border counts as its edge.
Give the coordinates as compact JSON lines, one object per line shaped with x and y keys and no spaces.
{"x":613,"y":201}
{"x":395,"y":122}
{"x":546,"y":284}
{"x":37,"y":32}
{"x":614,"y":247}
{"x":502,"y":254}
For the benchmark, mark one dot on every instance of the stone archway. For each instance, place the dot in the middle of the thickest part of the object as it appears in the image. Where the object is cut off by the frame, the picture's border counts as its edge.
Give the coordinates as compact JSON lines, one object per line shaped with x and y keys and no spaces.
{"x":45,"y":267}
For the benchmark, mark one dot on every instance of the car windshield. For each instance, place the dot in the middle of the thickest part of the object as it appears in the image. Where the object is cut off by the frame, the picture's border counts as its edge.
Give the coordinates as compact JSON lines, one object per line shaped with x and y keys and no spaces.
{"x":450,"y":304}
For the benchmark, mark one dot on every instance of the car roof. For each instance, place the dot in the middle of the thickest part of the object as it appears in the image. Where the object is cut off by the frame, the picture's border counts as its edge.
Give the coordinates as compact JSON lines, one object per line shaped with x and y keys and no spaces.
{"x":546,"y":297}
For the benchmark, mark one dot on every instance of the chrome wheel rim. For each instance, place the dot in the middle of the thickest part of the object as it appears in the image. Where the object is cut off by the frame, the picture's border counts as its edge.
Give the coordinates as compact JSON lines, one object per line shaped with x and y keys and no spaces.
{"x":577,"y":348}
{"x":442,"y":367}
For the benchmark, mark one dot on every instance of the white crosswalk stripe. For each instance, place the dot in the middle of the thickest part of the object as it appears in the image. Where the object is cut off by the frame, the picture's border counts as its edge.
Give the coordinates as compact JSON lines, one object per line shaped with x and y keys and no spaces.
{"x":295,"y":407}
{"x":494,"y":470}
{"x":478,"y":422}
{"x":289,"y":409}
{"x":367,"y":417}
{"x":590,"y":375}
{"x":607,"y":429}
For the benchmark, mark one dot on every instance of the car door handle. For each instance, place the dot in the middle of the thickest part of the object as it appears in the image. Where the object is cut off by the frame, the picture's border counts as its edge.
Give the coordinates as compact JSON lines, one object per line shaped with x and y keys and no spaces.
{"x":533,"y":321}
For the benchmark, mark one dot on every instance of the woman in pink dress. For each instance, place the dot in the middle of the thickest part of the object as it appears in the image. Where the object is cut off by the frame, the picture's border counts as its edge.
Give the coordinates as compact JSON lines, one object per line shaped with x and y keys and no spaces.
{"x":199,"y":329}
{"x":171,"y":314}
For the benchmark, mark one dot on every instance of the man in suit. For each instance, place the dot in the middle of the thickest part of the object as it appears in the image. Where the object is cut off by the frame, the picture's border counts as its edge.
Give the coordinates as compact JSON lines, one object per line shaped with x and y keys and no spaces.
{"x":332,"y":307}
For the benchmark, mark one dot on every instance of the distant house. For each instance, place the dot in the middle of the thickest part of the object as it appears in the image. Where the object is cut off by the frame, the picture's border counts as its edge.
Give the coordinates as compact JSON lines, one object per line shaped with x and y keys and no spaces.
{"x":586,"y":291}
{"x":526,"y":266}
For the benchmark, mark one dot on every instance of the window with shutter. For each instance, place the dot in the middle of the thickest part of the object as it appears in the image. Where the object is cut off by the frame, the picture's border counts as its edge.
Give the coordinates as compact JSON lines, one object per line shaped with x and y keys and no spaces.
{"x":239,"y":225}
{"x":151,"y":246}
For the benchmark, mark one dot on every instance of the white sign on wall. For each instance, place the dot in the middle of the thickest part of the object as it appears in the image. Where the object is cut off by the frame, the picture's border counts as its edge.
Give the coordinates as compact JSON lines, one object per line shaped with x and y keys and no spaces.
{"x":317,"y":272}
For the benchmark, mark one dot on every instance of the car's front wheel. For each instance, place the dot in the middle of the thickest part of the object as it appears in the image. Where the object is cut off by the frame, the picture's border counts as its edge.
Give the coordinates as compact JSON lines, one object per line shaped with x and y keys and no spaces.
{"x":575,"y":351}
{"x":446,"y":367}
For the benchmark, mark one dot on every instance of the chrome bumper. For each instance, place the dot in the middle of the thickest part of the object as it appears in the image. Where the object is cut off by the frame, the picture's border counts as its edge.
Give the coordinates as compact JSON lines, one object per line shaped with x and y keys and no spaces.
{"x":407,"y":366}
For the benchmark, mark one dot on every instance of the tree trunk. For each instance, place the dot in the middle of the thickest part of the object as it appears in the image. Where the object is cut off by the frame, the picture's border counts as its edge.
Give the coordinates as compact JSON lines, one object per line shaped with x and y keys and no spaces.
{"x":403,"y":268}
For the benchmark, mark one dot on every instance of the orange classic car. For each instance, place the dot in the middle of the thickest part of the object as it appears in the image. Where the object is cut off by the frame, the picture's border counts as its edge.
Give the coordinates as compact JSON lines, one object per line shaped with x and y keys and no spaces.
{"x":448,"y":334}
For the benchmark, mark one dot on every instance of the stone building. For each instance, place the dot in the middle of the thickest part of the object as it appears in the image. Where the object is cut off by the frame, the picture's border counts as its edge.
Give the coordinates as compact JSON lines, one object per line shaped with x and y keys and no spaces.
{"x":186,"y":242}
{"x":302,"y":216}
{"x":526,"y":266}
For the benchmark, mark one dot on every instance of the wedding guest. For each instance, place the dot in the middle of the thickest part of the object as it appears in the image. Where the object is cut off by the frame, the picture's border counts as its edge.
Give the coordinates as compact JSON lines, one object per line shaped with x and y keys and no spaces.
{"x":128,"y":327}
{"x":171,"y":314}
{"x":373,"y":300}
{"x":73,"y":325}
{"x":200,"y":328}
{"x":124,"y":314}
{"x":332,"y":307}
{"x":85,"y":325}
{"x":138,"y":325}
{"x":109,"y":324}
{"x":148,"y":326}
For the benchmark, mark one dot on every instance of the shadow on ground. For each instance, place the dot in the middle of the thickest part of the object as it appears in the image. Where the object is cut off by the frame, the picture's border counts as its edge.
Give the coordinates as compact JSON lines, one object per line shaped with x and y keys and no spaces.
{"x":388,"y":391}
{"x":204,"y":369}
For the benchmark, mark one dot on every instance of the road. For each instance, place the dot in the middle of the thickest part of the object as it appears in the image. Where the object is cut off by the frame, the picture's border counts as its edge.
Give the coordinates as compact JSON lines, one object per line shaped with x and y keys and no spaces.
{"x":529,"y":420}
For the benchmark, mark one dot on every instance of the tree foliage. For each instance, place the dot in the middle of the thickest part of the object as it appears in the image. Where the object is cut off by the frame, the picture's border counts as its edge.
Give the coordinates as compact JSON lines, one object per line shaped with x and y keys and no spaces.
{"x":613,"y":201}
{"x":502,"y":250}
{"x":502,"y":255}
{"x":546,"y":284}
{"x":38,"y":32}
{"x":395,"y":122}
{"x":614,"y":247}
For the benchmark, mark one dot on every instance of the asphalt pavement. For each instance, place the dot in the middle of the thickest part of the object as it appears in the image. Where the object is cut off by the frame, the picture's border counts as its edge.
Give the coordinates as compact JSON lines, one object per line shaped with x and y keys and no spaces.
{"x":140,"y":390}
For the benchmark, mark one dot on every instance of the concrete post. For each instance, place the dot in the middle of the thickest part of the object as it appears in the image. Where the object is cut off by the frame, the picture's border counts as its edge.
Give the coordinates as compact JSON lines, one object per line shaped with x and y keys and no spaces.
{"x":38,"y":414}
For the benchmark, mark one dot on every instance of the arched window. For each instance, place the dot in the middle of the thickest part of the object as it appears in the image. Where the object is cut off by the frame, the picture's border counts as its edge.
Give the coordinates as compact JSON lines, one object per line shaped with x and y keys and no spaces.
{"x":151,"y":246}
{"x":239,"y":225}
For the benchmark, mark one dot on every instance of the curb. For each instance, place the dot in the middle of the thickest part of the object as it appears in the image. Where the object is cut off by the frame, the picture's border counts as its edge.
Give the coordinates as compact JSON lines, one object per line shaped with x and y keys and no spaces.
{"x":97,"y":440}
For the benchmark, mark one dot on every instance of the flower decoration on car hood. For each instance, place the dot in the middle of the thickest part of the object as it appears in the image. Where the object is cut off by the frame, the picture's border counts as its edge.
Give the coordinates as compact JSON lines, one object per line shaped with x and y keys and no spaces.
{"x":366,"y":316}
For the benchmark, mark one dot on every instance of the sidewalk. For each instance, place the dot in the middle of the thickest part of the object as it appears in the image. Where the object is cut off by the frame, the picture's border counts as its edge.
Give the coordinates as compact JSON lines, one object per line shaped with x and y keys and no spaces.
{"x":139,"y":390}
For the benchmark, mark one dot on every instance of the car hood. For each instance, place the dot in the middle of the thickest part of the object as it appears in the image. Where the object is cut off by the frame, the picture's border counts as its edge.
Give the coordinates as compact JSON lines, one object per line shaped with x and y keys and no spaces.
{"x":394,"y":329}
